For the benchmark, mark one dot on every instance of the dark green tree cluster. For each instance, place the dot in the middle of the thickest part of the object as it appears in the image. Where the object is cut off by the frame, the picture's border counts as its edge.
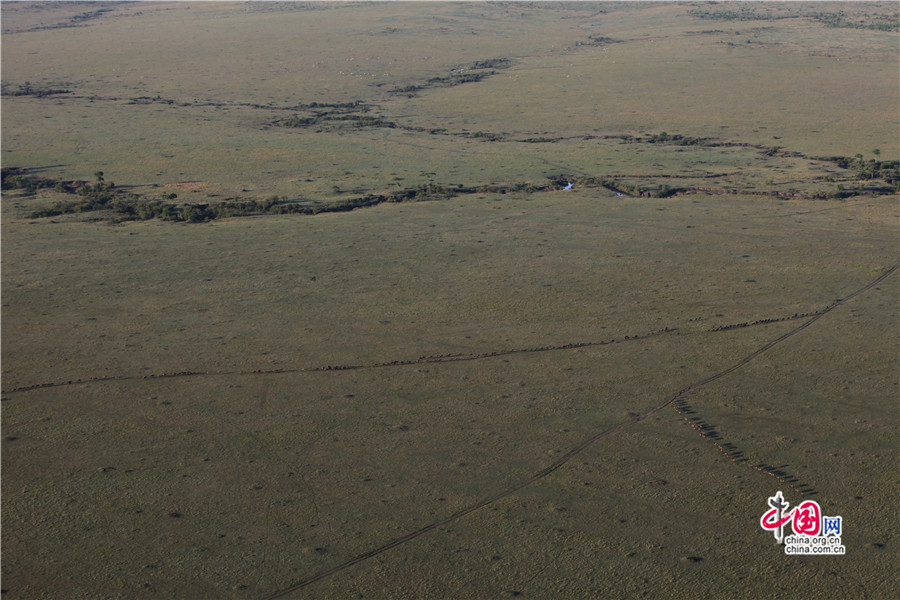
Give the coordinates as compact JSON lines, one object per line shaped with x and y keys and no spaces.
{"x":26,"y":89}
{"x":14,"y":178}
{"x":485,"y":135}
{"x":296,"y":121}
{"x":739,"y":14}
{"x":677,"y":139}
{"x":331,"y":107}
{"x":468,"y":74}
{"x":874,"y":22}
{"x":540,"y":140}
{"x":335,"y":120}
{"x":885,"y":170}
{"x":491,"y":63}
{"x":839,"y":18}
{"x":598,"y":40}
{"x":92,"y":197}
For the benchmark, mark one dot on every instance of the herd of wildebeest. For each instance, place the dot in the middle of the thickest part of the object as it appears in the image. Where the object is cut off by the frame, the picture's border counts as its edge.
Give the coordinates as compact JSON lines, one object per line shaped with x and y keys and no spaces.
{"x":397,"y":363}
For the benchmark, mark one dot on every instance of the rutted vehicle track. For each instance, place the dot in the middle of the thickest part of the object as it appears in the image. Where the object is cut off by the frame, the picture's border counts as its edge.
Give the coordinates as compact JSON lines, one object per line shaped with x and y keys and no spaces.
{"x":676,"y":401}
{"x":672,"y":400}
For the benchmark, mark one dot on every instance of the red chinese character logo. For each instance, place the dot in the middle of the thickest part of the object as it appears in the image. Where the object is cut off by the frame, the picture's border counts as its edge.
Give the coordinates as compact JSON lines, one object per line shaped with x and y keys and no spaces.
{"x":771,"y":520}
{"x":807,"y":518}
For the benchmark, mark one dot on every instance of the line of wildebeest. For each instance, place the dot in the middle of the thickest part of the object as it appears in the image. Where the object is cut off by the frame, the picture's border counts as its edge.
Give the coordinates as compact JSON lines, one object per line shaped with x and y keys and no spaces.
{"x":422,"y":359}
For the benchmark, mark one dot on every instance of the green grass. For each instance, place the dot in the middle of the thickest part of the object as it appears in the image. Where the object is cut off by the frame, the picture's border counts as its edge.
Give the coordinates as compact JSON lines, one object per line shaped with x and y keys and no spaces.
{"x":767,"y":94}
{"x":260,"y":469}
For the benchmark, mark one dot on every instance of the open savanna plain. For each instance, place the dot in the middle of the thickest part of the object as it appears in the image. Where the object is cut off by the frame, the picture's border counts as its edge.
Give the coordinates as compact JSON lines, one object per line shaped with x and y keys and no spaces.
{"x":402,"y":300}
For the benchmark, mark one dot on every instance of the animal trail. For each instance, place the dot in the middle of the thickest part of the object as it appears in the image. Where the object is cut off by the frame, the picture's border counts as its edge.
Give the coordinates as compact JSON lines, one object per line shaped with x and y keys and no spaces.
{"x":676,"y":400}
{"x":434,"y":358}
{"x":765,"y":321}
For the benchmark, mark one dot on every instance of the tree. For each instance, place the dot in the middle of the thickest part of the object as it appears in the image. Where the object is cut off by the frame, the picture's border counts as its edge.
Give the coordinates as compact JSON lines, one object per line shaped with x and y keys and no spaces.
{"x":99,"y":176}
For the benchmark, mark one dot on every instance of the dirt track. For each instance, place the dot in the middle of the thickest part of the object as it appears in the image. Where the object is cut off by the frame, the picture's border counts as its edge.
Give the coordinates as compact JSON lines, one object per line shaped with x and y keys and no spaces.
{"x":674,"y":400}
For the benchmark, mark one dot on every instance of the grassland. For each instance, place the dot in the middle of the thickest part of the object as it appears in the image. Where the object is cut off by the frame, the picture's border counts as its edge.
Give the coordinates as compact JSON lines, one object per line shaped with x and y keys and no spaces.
{"x":481,"y":385}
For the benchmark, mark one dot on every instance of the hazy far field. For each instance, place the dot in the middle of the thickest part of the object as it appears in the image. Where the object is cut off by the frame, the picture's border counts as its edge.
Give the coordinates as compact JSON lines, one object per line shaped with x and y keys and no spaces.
{"x":477,"y":383}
